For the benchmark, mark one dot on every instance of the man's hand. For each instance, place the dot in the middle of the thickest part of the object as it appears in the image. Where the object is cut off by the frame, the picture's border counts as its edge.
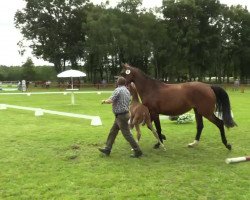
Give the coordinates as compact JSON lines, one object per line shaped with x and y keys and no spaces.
{"x":107,"y":101}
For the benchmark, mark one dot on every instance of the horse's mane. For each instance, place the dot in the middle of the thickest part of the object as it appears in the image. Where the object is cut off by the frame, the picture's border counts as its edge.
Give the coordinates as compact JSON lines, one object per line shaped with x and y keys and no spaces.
{"x":147,"y":76}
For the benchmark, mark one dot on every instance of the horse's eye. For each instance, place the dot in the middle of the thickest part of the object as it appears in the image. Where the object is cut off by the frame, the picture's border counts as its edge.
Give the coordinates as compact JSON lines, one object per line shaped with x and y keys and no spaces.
{"x":127,"y":71}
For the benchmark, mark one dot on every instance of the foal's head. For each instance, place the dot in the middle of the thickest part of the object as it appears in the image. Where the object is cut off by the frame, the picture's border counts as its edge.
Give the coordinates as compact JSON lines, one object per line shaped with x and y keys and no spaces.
{"x":132,"y":88}
{"x":133,"y":92}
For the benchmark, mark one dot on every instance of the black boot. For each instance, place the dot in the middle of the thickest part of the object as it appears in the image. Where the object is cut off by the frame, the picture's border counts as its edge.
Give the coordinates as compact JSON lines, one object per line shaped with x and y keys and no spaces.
{"x":136,"y":154}
{"x":105,"y":151}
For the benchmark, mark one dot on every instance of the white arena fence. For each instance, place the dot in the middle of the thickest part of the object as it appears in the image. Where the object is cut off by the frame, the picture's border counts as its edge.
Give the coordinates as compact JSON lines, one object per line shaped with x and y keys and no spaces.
{"x":64,"y":93}
{"x":95,"y":120}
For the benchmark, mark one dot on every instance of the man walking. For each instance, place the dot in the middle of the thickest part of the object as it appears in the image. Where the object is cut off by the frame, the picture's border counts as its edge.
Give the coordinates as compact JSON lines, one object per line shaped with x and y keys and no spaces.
{"x":120,"y":105}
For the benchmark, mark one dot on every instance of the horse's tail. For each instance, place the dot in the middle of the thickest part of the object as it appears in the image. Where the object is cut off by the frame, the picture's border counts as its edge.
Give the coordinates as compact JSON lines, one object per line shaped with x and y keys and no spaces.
{"x":223,"y":106}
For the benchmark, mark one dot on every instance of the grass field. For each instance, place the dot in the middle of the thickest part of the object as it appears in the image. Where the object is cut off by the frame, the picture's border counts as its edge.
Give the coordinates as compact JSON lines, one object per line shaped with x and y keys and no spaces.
{"x":56,"y":157}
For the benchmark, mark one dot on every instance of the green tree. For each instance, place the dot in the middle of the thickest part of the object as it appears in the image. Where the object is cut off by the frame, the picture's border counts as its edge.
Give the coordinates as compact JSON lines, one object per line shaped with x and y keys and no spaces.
{"x":13,"y":73}
{"x":235,"y":37}
{"x":54,"y":29}
{"x":134,"y":44}
{"x":116,"y":35}
{"x":183,"y":33}
{"x":194,"y":33}
{"x":28,"y":70}
{"x":194,"y":38}
{"x":99,"y":42}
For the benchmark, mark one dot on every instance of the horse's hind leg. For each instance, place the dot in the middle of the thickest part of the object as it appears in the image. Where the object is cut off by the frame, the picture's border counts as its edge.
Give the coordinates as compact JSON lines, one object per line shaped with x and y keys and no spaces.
{"x":219,"y":123}
{"x":156,"y":120}
{"x":199,"y":127}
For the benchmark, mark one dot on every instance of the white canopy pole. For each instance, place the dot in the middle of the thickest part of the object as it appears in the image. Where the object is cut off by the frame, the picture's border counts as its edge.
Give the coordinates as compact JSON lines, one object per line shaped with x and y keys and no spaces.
{"x":72,"y":85}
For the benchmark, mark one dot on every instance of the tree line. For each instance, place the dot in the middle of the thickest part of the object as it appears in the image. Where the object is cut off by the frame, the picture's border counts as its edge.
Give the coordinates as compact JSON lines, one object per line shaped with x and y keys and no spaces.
{"x":28,"y":71}
{"x":181,"y":40}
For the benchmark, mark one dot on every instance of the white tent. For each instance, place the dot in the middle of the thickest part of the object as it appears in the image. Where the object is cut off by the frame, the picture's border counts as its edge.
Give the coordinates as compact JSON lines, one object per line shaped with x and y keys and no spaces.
{"x":71,"y":74}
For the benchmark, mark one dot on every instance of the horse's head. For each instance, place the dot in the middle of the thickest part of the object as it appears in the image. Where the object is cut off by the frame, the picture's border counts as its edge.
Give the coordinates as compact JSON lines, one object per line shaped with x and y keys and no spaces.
{"x":127,"y":72}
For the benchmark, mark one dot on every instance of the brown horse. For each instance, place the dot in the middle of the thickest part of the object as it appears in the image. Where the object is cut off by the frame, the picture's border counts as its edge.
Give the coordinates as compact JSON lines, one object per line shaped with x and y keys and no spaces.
{"x":139,"y":114}
{"x":176,"y":99}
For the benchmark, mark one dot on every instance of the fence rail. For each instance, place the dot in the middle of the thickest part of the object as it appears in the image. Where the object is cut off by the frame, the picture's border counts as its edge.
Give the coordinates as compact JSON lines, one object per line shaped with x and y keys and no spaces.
{"x":95,"y":120}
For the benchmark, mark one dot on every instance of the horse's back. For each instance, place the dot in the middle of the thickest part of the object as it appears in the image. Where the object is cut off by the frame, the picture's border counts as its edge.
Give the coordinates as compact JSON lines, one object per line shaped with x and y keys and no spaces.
{"x":175,"y":99}
{"x":198,"y":91}
{"x":201,"y":97}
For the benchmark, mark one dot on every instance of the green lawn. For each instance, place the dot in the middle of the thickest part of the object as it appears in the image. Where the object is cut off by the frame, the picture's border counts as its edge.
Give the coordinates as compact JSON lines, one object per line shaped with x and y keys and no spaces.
{"x":56,"y":157}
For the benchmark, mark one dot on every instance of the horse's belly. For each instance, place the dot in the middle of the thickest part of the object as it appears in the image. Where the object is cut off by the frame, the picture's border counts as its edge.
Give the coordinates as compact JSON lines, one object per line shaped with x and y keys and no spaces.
{"x":175,"y":107}
{"x":176,"y":110}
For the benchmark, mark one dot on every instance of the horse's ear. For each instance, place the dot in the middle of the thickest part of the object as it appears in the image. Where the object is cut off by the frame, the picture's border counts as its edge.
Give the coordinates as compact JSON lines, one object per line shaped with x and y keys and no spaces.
{"x":124,"y":65}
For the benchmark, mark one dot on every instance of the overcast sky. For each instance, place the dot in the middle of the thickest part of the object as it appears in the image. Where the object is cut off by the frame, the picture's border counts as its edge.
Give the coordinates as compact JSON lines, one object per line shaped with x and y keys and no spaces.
{"x":9,"y":35}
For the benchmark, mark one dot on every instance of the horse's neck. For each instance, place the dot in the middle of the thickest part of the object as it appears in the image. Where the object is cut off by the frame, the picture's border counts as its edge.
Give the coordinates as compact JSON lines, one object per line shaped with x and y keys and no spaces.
{"x":145,"y":85}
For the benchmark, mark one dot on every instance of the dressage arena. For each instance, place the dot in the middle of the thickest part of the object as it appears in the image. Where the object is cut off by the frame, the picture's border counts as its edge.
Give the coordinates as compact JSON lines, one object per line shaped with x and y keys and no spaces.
{"x":95,"y":120}
{"x":54,"y":156}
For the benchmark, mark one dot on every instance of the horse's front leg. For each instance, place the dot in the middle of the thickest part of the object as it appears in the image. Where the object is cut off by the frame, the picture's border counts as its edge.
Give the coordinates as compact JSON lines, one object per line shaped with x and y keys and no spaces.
{"x":156,"y":119}
{"x":199,"y":127}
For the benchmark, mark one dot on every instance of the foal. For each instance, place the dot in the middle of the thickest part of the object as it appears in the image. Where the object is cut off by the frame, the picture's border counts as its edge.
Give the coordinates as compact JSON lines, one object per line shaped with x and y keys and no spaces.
{"x":139,"y":114}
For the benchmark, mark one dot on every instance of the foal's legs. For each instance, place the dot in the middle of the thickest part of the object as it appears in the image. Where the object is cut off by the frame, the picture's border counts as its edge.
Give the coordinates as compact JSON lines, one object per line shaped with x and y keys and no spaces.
{"x":199,"y":127}
{"x":138,"y":132}
{"x":131,"y":125}
{"x":219,"y":123}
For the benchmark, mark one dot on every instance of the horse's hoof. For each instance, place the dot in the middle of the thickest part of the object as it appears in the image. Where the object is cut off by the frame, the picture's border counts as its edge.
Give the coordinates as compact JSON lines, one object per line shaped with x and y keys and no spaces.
{"x":229,"y":147}
{"x":157,"y":146}
{"x":193,"y":144}
{"x":163,"y":137}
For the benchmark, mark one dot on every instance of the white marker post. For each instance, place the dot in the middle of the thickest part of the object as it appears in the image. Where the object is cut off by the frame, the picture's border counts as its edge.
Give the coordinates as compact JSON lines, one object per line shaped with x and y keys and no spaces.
{"x":238,"y":159}
{"x":72,"y":95}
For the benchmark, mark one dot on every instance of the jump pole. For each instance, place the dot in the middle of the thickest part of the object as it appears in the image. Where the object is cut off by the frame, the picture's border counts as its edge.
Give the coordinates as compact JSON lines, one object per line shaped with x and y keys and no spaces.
{"x":237,"y":159}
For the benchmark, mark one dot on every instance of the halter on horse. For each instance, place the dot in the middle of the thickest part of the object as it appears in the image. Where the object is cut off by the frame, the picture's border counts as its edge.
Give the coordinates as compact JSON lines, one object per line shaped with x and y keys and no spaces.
{"x":176,"y":99}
